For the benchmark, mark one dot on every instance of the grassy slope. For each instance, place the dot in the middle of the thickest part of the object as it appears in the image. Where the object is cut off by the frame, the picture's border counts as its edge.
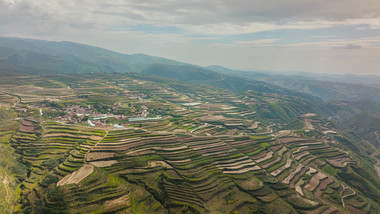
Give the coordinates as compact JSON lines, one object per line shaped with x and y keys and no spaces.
{"x":10,"y":168}
{"x":366,"y":125}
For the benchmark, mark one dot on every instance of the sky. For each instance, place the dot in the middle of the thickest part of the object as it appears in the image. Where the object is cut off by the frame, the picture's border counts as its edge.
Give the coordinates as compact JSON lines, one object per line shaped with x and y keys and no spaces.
{"x":335,"y":36}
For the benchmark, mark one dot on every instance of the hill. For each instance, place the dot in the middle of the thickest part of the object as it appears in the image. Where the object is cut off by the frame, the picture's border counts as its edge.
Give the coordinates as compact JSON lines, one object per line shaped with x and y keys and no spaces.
{"x":115,"y":142}
{"x":325,"y":86}
{"x":366,"y":125}
{"x":79,"y":134}
{"x":30,"y":52}
{"x":44,"y":57}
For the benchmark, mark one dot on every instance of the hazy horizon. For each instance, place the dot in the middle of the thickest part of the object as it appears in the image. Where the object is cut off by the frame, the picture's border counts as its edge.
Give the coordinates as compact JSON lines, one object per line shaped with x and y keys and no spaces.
{"x":340,"y":37}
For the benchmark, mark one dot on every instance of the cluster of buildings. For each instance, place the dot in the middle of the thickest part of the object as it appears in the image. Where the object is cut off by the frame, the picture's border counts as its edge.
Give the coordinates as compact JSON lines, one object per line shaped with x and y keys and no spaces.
{"x":74,"y":114}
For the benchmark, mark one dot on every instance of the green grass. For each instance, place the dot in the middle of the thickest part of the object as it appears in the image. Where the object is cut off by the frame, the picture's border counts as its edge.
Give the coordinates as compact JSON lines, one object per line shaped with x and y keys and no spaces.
{"x":329,"y":169}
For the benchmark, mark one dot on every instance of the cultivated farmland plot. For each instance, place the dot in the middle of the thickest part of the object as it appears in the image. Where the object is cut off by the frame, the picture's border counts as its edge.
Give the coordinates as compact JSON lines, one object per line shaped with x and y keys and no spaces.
{"x":215,"y":154}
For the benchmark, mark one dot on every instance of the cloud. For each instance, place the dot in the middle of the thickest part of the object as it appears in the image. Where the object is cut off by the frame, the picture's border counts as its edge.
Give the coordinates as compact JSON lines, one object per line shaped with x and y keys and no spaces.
{"x":265,"y":34}
{"x":349,"y":47}
{"x":258,"y":42}
{"x":218,"y":17}
{"x":238,"y":11}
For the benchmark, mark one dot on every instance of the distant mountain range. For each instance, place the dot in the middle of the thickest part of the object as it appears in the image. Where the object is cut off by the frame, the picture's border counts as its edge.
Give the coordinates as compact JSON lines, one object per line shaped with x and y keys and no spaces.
{"x":68,"y":57}
{"x":325,"y":86}
{"x":225,"y":141}
{"x":366,"y":125}
{"x":72,"y":57}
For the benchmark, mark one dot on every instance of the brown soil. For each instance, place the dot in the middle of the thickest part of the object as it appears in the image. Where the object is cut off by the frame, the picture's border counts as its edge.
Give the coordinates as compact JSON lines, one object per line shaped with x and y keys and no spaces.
{"x":323,"y":186}
{"x":117,"y":204}
{"x":242,"y":170}
{"x":314,"y":181}
{"x":180,"y":161}
{"x":267,"y":156}
{"x":93,"y":137}
{"x":339,"y":162}
{"x":234,"y":163}
{"x":159,"y":164}
{"x":298,"y":186}
{"x":282,"y":133}
{"x":289,"y":139}
{"x":259,"y":155}
{"x":271,"y":163}
{"x":302,"y":154}
{"x":297,"y":177}
{"x":279,"y":170}
{"x":171,"y":148}
{"x":282,"y":150}
{"x":291,"y":175}
{"x":208,"y":146}
{"x":254,"y":125}
{"x":103,"y":163}
{"x":77,"y":176}
{"x":238,"y":166}
{"x":26,"y":128}
{"x":27,"y":123}
{"x":99,"y":155}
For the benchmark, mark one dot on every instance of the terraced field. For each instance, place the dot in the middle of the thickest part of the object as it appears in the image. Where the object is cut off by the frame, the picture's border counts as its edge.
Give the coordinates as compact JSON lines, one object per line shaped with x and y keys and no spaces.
{"x":179,"y":172}
{"x":50,"y":150}
{"x":176,"y":173}
{"x":207,"y":150}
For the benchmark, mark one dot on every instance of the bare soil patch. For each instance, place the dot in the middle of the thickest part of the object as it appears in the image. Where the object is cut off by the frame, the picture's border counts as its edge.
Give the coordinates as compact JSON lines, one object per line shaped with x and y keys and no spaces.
{"x":267,"y":156}
{"x":297,"y":177}
{"x":92,"y":156}
{"x":282,"y":150}
{"x":116,"y":204}
{"x":279,"y":170}
{"x":239,"y":166}
{"x":290,"y":139}
{"x":96,"y":138}
{"x":291,"y":175}
{"x":103,"y":163}
{"x":180,"y":161}
{"x":254,"y":125}
{"x":234,"y":164}
{"x":259,"y":155}
{"x":314,"y":181}
{"x":171,"y":148}
{"x":298,"y":186}
{"x":152,"y":164}
{"x":77,"y":176}
{"x":26,"y":128}
{"x":282,"y":133}
{"x":339,"y":162}
{"x":242,"y":170}
{"x":323,"y":186}
{"x":302,"y":154}
{"x":271,"y":163}
{"x":27,"y":123}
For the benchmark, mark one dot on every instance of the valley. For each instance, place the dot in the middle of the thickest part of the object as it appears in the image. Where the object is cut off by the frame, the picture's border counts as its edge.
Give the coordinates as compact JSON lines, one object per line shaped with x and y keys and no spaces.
{"x":205,"y":150}
{"x":87,"y":130}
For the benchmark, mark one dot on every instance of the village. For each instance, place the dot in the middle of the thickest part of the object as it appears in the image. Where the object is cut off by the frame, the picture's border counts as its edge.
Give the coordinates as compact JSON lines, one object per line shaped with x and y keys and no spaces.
{"x":79,"y":114}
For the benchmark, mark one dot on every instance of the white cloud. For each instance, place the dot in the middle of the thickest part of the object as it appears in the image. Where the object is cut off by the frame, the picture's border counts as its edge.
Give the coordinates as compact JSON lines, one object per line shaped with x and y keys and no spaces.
{"x":257,"y":42}
{"x":108,"y":24}
{"x":213,"y":17}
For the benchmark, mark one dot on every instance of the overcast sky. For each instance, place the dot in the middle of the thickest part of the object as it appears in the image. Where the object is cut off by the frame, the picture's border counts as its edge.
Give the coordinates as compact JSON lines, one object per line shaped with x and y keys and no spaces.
{"x":335,"y":36}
